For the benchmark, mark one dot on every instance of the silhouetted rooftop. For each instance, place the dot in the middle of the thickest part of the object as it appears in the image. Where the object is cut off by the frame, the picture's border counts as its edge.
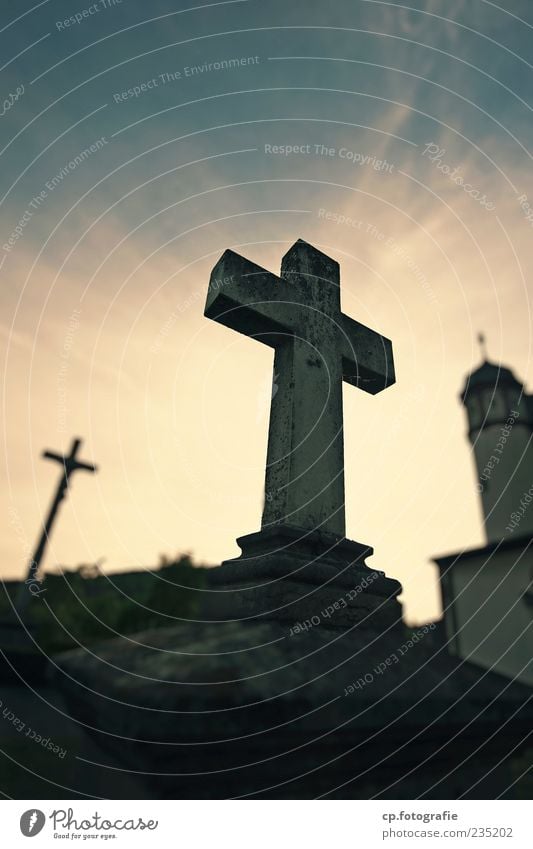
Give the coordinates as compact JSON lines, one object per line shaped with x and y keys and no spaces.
{"x":489,"y":374}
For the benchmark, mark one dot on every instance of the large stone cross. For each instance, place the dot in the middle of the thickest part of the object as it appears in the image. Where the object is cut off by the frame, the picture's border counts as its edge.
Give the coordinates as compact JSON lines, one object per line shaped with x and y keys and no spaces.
{"x":316,"y":348}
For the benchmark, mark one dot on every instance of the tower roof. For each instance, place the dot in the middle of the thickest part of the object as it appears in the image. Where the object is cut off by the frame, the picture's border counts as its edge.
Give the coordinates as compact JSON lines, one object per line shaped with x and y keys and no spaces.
{"x":489,"y":375}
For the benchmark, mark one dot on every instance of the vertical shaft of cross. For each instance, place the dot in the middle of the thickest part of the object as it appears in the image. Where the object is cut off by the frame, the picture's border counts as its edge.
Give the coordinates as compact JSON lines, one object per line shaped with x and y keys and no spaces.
{"x":70,"y":464}
{"x":304,"y":483}
{"x":35,"y":562}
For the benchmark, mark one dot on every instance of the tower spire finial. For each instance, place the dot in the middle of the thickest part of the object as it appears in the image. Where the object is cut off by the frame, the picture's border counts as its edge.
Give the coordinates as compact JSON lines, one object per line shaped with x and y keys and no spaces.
{"x":482,"y":345}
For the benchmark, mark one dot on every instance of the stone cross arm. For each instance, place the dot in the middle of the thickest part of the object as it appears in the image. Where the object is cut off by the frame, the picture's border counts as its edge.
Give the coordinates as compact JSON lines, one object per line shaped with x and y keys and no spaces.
{"x":257,"y":303}
{"x":367,"y":359}
{"x":247,"y":298}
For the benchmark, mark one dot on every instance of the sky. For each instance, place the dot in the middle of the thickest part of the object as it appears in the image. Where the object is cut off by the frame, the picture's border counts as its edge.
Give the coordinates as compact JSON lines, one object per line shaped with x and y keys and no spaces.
{"x":138,"y":143}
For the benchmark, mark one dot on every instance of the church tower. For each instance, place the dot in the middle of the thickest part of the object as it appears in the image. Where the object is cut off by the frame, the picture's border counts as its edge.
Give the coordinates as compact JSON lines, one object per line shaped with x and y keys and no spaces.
{"x":500,"y":428}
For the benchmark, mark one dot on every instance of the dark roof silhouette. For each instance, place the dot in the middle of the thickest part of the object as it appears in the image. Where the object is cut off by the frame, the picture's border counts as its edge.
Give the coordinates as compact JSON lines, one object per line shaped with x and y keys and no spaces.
{"x":489,"y":375}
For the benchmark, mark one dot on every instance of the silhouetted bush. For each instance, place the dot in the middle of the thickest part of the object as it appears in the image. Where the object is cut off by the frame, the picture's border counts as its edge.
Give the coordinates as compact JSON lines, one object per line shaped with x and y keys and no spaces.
{"x":84,"y":606}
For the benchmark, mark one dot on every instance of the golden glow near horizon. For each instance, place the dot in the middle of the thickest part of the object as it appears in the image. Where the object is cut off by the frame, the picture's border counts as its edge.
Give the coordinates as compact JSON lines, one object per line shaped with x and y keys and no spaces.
{"x":172,"y":407}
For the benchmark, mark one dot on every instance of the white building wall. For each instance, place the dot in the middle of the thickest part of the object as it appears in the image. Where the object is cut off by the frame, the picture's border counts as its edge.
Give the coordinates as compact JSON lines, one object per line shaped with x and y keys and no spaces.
{"x":505,"y":479}
{"x":492,"y":623}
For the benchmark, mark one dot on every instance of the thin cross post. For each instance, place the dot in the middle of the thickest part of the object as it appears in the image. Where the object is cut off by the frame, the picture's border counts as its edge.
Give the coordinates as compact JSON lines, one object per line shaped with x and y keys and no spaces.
{"x":70,"y":464}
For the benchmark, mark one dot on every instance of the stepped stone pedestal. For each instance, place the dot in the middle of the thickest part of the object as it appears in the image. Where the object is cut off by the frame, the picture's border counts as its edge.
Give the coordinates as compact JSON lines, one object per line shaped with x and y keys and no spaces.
{"x":287,"y":574}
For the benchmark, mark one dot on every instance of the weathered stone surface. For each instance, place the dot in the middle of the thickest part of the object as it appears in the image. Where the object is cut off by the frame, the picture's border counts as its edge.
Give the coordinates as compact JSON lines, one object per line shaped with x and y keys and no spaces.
{"x":237,"y":708}
{"x":45,"y":755}
{"x":286,"y":573}
{"x":316,"y":348}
